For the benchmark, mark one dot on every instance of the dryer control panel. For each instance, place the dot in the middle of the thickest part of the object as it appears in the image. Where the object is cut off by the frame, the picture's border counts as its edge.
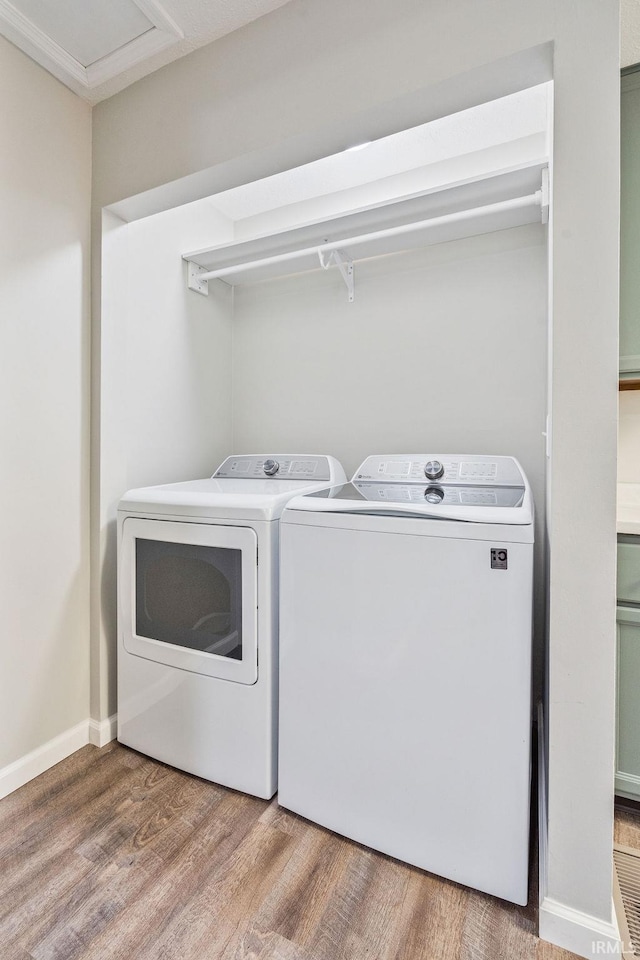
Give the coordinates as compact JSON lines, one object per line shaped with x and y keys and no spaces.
{"x":277,"y":466}
{"x":472,"y":470}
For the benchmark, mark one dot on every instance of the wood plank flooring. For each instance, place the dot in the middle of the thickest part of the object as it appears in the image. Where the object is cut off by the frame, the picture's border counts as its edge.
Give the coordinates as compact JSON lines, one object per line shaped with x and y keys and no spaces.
{"x":627,"y":823}
{"x":112,"y":856}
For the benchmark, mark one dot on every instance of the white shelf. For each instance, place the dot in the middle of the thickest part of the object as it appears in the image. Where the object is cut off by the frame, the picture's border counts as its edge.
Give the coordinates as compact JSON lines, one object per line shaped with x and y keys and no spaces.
{"x":506,"y":199}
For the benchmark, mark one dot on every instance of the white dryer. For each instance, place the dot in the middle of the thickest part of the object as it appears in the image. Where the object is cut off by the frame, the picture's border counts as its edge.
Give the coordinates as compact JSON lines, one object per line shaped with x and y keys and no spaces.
{"x":198,"y":617}
{"x":405,"y":664}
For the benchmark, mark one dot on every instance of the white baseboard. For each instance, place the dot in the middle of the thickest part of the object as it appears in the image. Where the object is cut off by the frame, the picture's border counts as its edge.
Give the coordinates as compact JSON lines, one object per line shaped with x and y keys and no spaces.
{"x":24,"y":769}
{"x":102,"y":733}
{"x":578,"y":932}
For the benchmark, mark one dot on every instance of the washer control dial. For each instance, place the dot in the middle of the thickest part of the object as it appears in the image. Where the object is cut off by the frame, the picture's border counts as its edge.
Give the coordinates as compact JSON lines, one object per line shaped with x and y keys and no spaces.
{"x":433,"y":470}
{"x":271,"y":467}
{"x":434,"y":494}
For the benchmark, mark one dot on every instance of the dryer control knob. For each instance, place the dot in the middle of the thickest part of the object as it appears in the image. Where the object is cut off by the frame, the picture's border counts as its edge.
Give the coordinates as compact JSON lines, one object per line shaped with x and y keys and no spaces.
{"x":271,"y":467}
{"x":433,"y":470}
{"x":434,"y":494}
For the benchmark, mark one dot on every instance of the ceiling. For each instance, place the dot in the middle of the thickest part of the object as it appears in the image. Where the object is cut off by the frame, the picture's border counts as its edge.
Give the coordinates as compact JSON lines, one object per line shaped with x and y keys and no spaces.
{"x":99,"y":47}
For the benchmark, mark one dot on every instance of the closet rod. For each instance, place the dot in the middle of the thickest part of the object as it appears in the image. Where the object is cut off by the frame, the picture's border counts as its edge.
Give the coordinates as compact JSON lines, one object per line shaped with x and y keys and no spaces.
{"x":460,"y":216}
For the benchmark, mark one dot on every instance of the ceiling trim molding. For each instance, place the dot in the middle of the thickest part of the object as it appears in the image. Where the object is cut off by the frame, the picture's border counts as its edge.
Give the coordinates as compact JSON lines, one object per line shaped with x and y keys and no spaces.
{"x":159,"y":16}
{"x":39,"y":45}
{"x":44,"y":50}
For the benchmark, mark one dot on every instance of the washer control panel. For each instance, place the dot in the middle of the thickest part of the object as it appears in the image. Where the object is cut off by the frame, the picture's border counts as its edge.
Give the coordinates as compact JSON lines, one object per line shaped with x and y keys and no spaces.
{"x":277,"y":466}
{"x":436,"y":494}
{"x":472,"y":470}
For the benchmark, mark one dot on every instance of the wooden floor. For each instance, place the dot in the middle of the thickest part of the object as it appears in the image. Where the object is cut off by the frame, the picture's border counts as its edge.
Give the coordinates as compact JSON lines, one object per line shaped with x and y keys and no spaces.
{"x":112,"y":855}
{"x":627,"y":823}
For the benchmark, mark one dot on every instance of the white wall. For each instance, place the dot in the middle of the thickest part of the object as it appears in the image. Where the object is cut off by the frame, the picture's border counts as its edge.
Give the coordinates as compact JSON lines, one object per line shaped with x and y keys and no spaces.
{"x":45,"y":172}
{"x":240,"y":109}
{"x":473,"y":143}
{"x":443,"y":350}
{"x":165,"y":411}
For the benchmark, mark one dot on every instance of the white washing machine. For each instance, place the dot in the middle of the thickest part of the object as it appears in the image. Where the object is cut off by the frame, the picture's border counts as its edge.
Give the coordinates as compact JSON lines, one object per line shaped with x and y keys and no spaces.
{"x":405,"y":664}
{"x":198,"y":617}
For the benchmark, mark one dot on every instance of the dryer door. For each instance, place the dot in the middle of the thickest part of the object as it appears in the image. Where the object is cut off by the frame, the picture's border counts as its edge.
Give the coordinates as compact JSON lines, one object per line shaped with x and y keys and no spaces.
{"x":188,"y":596}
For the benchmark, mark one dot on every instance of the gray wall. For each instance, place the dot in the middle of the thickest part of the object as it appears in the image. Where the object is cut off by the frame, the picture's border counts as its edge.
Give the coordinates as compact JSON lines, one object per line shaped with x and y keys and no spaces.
{"x":311,"y":78}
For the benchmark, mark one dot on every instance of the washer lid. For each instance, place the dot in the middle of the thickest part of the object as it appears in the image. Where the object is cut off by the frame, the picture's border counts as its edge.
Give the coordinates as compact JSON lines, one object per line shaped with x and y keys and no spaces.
{"x":476,"y":490}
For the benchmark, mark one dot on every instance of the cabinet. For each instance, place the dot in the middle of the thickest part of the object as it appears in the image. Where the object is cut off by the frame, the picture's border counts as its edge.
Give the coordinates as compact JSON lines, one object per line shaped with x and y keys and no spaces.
{"x":628,"y":669}
{"x":630,"y":228}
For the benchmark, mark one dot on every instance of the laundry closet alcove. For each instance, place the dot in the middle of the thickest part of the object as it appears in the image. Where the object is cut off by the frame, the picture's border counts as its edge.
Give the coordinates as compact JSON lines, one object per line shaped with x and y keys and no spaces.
{"x":438,"y":340}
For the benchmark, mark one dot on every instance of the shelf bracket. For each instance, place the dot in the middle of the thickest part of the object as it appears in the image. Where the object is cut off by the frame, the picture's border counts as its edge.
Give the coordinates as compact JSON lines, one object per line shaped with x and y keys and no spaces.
{"x":344,"y":265}
{"x":193,"y":279}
